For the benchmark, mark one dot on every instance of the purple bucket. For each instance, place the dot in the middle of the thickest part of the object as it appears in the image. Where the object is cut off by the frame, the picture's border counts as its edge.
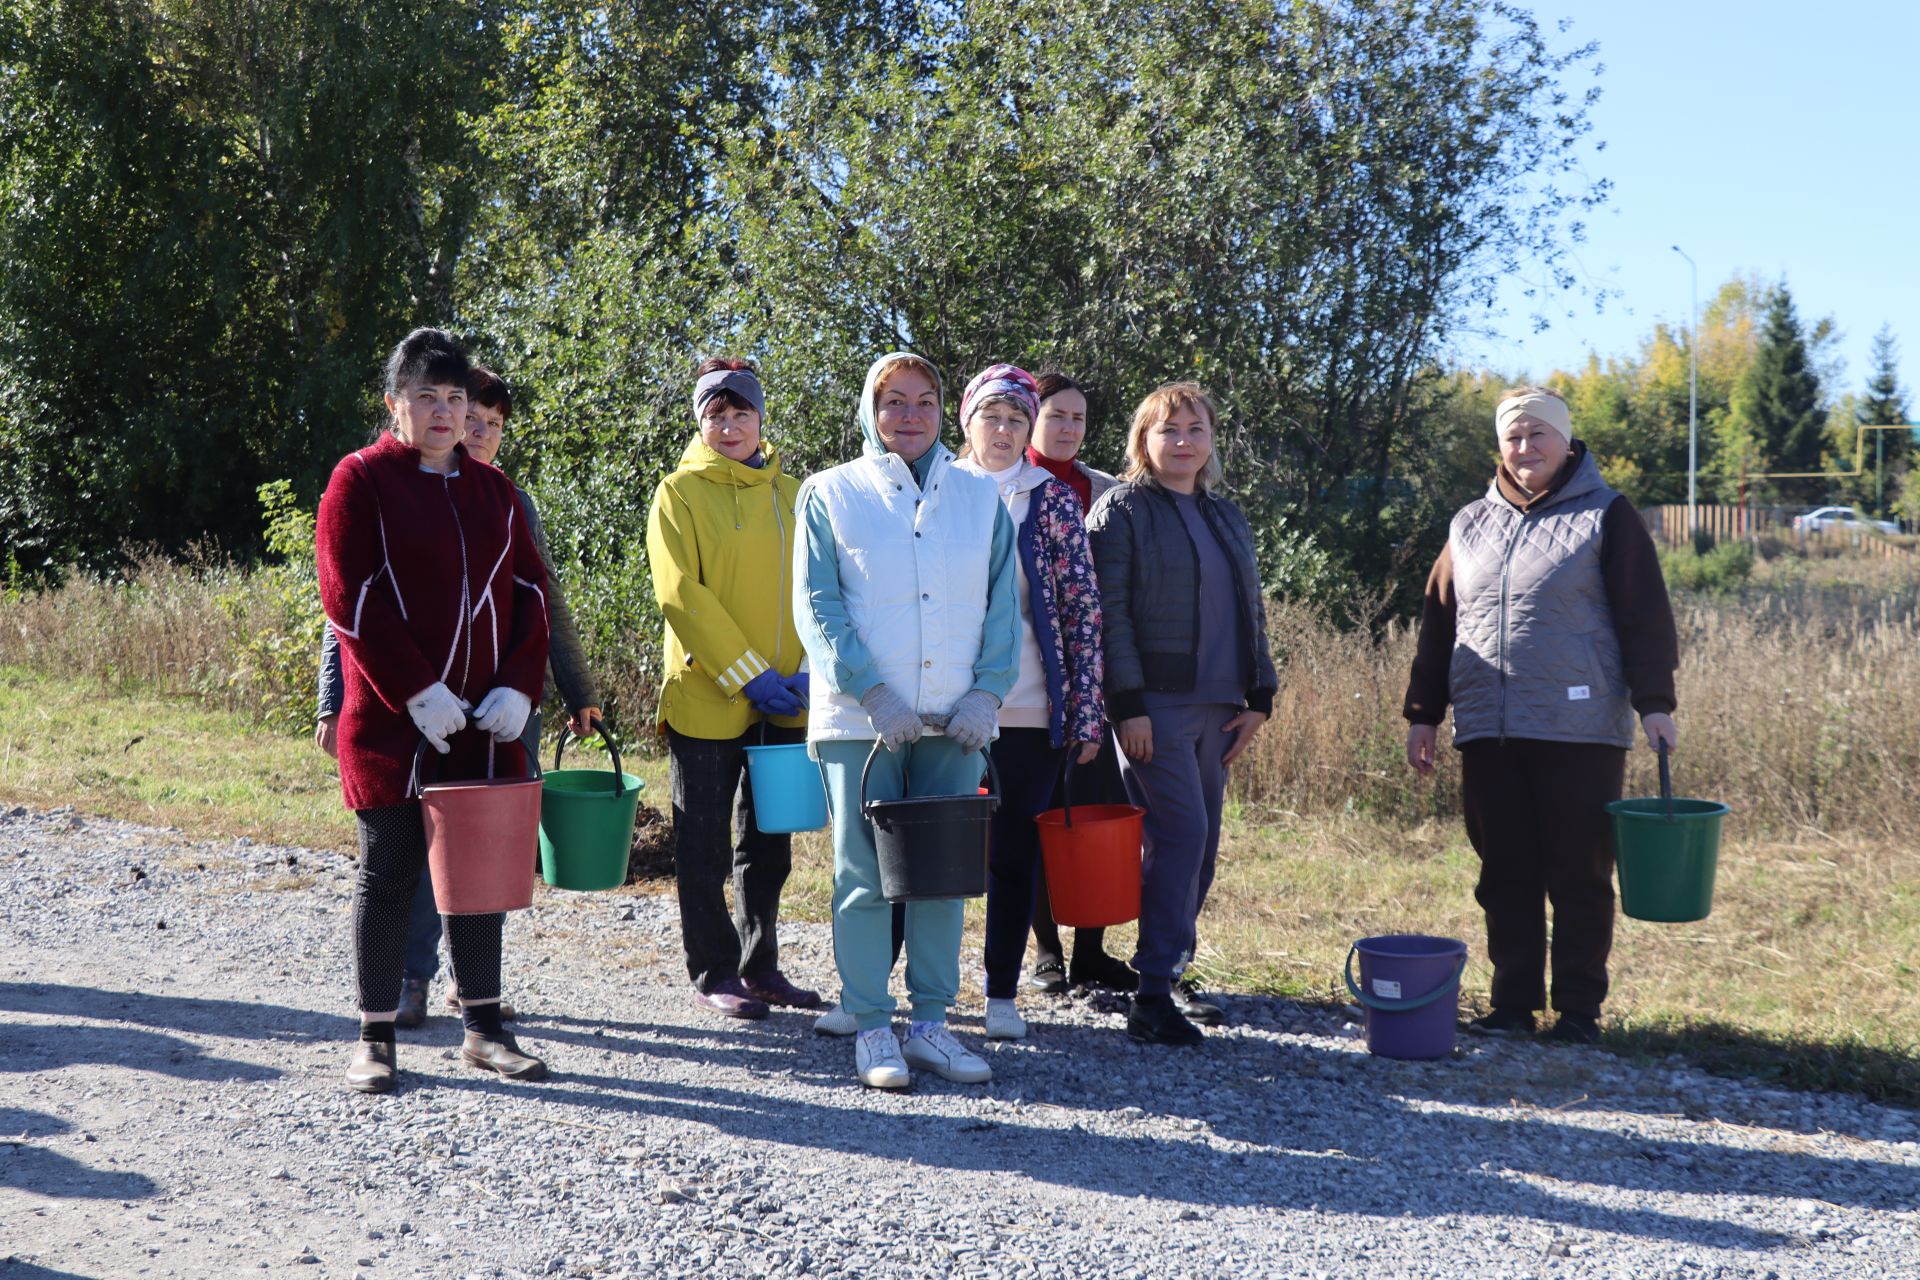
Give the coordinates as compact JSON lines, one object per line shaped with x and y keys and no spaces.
{"x":1409,"y":985}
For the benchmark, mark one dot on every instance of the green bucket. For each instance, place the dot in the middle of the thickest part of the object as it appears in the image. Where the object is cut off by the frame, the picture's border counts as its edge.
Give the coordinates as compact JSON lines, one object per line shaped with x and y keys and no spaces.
{"x":1668,"y":851}
{"x":586,"y":821}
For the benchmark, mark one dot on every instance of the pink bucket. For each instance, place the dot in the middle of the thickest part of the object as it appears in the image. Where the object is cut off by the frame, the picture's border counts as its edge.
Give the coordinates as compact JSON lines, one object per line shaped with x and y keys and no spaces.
{"x":483,"y":836}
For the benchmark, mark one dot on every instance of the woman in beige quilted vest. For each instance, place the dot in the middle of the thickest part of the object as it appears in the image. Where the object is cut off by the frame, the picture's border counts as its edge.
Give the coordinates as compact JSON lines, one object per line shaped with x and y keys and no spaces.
{"x":1547,"y":628}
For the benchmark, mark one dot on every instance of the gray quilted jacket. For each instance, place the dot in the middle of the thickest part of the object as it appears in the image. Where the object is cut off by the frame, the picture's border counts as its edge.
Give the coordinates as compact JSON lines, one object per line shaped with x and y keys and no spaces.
{"x":1535,"y":652}
{"x":1149,"y":573}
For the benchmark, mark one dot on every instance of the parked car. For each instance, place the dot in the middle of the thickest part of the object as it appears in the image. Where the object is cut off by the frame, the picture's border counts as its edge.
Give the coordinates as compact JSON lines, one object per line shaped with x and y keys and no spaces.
{"x":1823,"y":518}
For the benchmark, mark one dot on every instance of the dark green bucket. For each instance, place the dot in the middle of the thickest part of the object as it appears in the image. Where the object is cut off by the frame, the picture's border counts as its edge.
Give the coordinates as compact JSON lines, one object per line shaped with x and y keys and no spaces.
{"x":1668,"y":851}
{"x":586,"y":821}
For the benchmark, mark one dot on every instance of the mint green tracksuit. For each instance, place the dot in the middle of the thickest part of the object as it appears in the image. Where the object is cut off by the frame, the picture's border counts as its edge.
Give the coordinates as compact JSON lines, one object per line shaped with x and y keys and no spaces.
{"x":862,"y":917}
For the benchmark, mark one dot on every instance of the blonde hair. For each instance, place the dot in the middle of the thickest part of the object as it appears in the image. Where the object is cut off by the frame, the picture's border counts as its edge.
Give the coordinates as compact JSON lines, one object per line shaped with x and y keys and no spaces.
{"x":1162,"y":403}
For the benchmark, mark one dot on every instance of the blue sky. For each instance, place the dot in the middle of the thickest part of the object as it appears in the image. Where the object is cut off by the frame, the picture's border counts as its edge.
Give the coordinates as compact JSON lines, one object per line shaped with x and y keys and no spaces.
{"x":1762,"y":136}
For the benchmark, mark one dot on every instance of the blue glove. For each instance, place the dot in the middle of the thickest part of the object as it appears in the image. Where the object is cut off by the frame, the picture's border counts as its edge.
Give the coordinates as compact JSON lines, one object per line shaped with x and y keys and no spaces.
{"x":770,"y":695}
{"x":797,"y":684}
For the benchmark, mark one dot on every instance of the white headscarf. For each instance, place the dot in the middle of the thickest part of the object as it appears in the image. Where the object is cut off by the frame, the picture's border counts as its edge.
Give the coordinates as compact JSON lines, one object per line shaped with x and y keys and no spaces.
{"x":1551,"y":410}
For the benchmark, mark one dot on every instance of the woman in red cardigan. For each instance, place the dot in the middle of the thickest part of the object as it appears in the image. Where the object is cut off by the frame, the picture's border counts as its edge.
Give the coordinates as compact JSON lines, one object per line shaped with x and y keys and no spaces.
{"x":431,"y":580}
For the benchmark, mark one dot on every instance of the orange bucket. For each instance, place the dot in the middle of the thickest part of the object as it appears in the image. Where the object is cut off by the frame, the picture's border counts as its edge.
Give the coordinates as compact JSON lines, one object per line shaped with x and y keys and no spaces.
{"x":482,"y":839}
{"x":1092,"y":854}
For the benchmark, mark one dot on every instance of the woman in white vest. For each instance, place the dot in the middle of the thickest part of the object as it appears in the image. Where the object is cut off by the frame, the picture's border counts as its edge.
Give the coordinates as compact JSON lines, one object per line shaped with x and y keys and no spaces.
{"x":1546,"y":626}
{"x":907,"y":603}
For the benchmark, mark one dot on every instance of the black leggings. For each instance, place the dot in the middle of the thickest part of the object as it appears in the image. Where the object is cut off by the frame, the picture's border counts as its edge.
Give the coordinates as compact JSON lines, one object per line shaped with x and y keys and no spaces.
{"x":393,"y":849}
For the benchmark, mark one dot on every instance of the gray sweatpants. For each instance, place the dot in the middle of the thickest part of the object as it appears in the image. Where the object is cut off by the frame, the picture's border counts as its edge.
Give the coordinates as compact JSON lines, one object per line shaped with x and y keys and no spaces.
{"x":1182,"y":789}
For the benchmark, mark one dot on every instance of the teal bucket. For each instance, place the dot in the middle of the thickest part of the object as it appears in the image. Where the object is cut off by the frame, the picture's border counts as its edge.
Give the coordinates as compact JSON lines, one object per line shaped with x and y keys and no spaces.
{"x":788,"y":795}
{"x":1668,"y":852}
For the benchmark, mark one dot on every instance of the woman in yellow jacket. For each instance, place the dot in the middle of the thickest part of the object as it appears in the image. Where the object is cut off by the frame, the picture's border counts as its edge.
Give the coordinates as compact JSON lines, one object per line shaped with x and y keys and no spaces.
{"x":720,"y":542}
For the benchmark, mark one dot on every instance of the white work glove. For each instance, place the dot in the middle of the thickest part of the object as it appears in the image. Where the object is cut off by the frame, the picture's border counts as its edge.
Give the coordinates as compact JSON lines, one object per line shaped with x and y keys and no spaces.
{"x":437,"y":714}
{"x":894,"y":722}
{"x":503,"y":713}
{"x":973,"y":719}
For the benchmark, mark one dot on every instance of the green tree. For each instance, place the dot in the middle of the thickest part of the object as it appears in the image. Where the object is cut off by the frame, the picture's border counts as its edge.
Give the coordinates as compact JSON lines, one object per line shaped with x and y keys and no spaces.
{"x":1778,"y":403}
{"x":1885,"y":404}
{"x":214,"y":216}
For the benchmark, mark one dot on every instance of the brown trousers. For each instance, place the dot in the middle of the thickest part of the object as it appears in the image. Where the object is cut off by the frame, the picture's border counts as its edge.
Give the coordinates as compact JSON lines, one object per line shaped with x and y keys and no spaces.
{"x":1536,"y":814}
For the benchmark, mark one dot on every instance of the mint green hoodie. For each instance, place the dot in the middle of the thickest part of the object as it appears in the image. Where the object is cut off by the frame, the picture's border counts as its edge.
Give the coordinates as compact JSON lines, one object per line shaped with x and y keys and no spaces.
{"x":819,"y":608}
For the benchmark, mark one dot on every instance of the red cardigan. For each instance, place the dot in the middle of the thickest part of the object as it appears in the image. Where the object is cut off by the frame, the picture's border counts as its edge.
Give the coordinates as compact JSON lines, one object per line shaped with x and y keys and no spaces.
{"x":426,"y":578}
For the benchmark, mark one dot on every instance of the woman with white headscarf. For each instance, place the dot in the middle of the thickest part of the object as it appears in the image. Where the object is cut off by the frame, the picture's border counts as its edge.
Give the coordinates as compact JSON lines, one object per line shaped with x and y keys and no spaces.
{"x":1547,"y":627}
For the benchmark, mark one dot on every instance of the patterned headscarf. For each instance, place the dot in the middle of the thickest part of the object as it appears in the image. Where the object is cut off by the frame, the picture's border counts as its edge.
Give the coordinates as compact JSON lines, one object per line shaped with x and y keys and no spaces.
{"x":1001,"y":382}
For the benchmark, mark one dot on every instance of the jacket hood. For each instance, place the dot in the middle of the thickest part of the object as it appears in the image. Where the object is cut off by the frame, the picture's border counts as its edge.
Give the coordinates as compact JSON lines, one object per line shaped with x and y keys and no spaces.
{"x":710,"y":464}
{"x":869,"y":431}
{"x":1579,"y":475}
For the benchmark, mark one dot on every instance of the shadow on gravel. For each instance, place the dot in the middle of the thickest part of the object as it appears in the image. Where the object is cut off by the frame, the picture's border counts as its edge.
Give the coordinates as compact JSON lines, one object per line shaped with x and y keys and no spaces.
{"x":241,"y":1019}
{"x":25,"y":1167}
{"x":39,"y":1047}
{"x":1346,"y":1145}
{"x":12,"y":1270}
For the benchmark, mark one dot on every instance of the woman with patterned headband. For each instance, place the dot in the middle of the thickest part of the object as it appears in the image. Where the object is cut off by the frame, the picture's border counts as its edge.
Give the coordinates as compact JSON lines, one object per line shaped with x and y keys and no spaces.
{"x":1055,"y":706}
{"x":1546,"y":627}
{"x":720,"y":545}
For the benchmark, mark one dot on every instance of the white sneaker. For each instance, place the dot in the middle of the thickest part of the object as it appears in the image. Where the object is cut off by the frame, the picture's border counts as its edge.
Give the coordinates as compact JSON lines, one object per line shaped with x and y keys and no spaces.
{"x":835,"y":1022}
{"x":876,"y":1055}
{"x":932,"y":1047}
{"x":1004,"y":1021}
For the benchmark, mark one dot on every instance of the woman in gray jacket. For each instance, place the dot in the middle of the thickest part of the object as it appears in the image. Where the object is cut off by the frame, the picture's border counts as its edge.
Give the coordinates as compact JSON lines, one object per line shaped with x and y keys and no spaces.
{"x":1546,"y":627}
{"x":1189,"y":678}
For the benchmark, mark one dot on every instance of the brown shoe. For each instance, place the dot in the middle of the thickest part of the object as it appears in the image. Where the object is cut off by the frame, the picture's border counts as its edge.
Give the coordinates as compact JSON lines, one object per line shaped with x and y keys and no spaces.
{"x":507,"y":1012}
{"x":413,"y":1004}
{"x":372,"y":1069}
{"x":501,"y":1055}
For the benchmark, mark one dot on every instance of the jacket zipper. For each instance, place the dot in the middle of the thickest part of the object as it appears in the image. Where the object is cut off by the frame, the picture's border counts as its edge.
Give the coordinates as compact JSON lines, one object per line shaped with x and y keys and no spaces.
{"x":779,"y":632}
{"x":1506,"y":589}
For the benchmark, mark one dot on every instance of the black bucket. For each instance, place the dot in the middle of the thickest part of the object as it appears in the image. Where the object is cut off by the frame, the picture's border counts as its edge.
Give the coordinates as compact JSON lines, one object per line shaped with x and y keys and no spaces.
{"x":931,"y":846}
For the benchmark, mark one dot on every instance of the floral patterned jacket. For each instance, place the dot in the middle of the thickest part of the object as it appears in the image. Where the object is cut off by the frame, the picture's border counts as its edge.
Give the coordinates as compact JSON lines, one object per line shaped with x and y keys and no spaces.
{"x":1055,"y":556}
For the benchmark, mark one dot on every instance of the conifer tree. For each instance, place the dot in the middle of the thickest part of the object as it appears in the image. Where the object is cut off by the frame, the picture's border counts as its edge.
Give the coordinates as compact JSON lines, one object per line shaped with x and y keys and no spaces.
{"x":1782,"y":400}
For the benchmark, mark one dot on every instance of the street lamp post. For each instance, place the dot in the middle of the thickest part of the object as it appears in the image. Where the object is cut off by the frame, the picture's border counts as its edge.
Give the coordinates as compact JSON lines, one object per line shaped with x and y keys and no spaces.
{"x":1693,"y":397}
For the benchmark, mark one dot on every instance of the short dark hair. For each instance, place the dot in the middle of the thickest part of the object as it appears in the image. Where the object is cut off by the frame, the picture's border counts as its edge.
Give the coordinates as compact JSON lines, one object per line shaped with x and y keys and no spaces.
{"x":726,"y":364}
{"x":427,"y":357}
{"x":1053,"y":382}
{"x":484,"y":387}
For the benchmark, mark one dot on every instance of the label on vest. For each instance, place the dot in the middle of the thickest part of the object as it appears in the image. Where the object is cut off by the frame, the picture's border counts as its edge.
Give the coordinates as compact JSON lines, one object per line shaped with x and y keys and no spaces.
{"x":1578,"y":693}
{"x":1386,"y":990}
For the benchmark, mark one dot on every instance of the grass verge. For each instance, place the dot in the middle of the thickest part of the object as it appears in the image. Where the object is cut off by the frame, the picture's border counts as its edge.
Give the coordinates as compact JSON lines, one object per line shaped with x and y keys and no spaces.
{"x":1802,"y":976}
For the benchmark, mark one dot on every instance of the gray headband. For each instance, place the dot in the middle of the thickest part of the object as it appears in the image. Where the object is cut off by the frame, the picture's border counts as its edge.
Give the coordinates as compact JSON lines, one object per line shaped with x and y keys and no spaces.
{"x":739,"y":381}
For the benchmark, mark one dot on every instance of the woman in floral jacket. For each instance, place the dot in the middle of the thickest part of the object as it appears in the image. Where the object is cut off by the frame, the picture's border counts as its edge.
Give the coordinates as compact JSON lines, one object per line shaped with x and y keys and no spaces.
{"x":1056,"y":703}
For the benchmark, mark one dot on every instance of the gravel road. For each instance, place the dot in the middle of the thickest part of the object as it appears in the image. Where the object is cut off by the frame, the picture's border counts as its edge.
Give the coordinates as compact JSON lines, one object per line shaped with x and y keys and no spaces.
{"x":174,"y":1017}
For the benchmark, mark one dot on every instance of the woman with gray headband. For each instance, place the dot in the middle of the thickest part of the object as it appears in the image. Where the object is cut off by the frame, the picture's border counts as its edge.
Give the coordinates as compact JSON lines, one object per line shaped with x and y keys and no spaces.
{"x":1546,"y":627}
{"x":720,"y":544}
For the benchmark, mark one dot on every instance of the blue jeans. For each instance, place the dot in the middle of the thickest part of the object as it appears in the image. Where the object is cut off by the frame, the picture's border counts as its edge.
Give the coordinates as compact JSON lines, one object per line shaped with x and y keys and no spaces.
{"x":423,"y":932}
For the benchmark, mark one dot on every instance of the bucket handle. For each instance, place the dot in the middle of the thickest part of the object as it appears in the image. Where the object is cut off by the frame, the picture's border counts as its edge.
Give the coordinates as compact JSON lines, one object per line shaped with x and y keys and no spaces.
{"x":866,"y":805}
{"x":1666,"y":781}
{"x":599,"y":726}
{"x":1382,"y":1005}
{"x":416,"y":785}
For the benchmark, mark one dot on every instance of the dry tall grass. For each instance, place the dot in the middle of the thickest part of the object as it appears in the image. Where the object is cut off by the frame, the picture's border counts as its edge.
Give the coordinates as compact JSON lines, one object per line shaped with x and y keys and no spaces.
{"x":164,"y":626}
{"x":1799,"y":707}
{"x":1800,"y":699}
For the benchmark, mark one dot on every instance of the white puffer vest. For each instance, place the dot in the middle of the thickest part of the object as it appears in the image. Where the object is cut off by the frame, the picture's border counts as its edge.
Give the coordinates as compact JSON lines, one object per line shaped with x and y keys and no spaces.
{"x":914,"y":578}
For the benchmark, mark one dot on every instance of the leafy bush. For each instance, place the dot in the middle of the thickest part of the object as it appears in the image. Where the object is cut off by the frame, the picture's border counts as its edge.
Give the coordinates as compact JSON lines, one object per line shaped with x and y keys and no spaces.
{"x":1724,"y":568}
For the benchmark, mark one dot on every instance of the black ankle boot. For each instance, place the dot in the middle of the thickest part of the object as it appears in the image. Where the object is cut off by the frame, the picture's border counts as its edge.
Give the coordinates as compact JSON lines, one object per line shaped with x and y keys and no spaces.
{"x":1155,"y":1020}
